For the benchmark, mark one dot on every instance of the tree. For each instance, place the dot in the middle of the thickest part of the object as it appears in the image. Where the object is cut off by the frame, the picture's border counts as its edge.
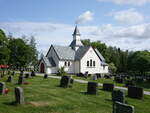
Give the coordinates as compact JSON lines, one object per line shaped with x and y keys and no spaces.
{"x":112,"y":68}
{"x":20,"y":55}
{"x":139,"y":62}
{"x":34,"y":55}
{"x":4,"y":50}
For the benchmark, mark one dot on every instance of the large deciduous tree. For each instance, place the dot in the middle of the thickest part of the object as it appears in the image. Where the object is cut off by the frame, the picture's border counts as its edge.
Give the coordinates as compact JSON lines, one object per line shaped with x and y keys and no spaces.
{"x":4,"y":50}
{"x":21,"y":52}
{"x":139,"y":62}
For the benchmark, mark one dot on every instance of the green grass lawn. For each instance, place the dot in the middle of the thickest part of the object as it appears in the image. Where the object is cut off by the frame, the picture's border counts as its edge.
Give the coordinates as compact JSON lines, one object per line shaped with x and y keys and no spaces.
{"x":44,"y":96}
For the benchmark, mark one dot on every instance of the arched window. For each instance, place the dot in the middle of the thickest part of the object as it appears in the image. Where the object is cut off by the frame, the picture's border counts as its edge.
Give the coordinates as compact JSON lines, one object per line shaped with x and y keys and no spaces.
{"x":68,"y":63}
{"x":65,"y":63}
{"x":94,"y":63}
{"x":91,"y":63}
{"x":87,"y":63}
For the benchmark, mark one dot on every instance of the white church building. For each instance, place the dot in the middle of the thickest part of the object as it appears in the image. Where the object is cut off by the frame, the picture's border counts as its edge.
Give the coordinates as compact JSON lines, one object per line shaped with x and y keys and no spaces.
{"x":75,"y":58}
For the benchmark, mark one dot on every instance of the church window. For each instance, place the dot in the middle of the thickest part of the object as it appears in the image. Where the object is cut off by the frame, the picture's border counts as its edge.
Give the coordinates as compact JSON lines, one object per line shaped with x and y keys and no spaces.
{"x":87,"y":63}
{"x":68,"y":63}
{"x":103,"y":67}
{"x":94,"y":63}
{"x":65,"y":63}
{"x":91,"y":63}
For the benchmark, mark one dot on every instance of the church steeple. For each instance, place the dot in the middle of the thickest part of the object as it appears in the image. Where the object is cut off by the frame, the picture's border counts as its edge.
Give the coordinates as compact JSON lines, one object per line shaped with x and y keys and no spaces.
{"x":76,"y":31}
{"x":76,"y":43}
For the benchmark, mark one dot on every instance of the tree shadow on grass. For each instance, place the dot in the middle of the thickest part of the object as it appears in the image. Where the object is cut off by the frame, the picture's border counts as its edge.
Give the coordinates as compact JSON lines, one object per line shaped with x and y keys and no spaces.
{"x":86,"y":93}
{"x":109,"y":100}
{"x":13,"y":103}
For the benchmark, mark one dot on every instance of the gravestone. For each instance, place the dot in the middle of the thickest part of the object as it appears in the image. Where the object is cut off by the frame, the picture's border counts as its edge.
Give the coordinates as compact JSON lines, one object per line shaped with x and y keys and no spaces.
{"x":33,"y":74}
{"x":135,"y":92}
{"x":129,"y":83}
{"x":94,"y":77}
{"x":71,"y":81}
{"x":122,"y":108}
{"x":8,"y":72}
{"x":21,"y":80}
{"x":108,"y":87}
{"x":98,"y":75}
{"x":2,"y":88}
{"x":19,"y":95}
{"x":21,"y":73}
{"x":10,"y":79}
{"x":13,"y":73}
{"x":66,"y":81}
{"x":107,"y":76}
{"x":45,"y":76}
{"x":27,"y":75}
{"x":119,"y":79}
{"x":86,"y":74}
{"x":80,"y":75}
{"x":118,"y":95}
{"x":92,"y":88}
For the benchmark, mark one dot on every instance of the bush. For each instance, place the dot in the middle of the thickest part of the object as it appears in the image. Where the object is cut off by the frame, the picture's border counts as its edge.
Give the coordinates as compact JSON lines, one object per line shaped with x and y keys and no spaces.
{"x":61,"y":71}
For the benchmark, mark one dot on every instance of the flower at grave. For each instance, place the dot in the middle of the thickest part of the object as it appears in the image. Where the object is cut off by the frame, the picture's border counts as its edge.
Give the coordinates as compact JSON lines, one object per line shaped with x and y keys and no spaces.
{"x":26,"y":83}
{"x":6,"y":91}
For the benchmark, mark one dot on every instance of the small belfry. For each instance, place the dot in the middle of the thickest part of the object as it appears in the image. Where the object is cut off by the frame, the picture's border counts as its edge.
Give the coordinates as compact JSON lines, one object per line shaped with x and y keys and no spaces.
{"x":76,"y":43}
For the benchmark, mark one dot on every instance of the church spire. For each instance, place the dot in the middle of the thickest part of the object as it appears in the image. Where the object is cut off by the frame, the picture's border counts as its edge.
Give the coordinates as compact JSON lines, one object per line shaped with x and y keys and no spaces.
{"x":76,"y":43}
{"x":76,"y":31}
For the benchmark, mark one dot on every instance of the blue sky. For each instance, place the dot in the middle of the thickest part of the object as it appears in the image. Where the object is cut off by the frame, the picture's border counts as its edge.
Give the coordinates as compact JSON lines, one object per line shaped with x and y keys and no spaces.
{"x":121,"y":23}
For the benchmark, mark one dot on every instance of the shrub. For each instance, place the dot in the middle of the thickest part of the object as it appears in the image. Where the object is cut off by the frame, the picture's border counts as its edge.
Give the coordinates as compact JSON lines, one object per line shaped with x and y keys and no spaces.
{"x":61,"y":71}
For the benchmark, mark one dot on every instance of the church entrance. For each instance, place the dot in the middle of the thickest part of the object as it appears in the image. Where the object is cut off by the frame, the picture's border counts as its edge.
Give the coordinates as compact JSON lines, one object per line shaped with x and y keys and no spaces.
{"x":42,"y":68}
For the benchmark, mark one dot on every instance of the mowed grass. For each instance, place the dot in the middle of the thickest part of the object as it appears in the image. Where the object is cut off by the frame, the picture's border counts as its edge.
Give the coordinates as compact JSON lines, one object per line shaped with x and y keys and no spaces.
{"x":45,"y":96}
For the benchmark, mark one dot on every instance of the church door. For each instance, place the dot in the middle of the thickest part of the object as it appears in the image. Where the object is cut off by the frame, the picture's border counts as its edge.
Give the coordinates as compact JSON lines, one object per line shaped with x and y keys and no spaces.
{"x":42,"y":68}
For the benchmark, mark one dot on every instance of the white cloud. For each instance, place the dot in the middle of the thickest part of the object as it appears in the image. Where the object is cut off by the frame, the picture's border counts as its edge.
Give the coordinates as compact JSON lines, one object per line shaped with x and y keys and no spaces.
{"x":127,"y":2}
{"x":136,"y":37}
{"x":85,"y":17}
{"x":45,"y":33}
{"x":137,"y":32}
{"x":130,"y":16}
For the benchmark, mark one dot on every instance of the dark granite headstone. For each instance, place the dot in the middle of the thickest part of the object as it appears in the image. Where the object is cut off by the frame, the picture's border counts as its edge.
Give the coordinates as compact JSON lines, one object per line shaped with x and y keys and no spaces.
{"x":135,"y":92}
{"x":66,"y":81}
{"x":94,"y":77}
{"x":129,"y":83}
{"x":33,"y":74}
{"x":119,"y":79}
{"x":122,"y":108}
{"x":19,"y":95}
{"x":27,"y":75}
{"x":21,"y":80}
{"x":13,"y":73}
{"x":92,"y":88}
{"x":45,"y":76}
{"x":108,"y":87}
{"x":118,"y":95}
{"x":2,"y":88}
{"x":10,"y":79}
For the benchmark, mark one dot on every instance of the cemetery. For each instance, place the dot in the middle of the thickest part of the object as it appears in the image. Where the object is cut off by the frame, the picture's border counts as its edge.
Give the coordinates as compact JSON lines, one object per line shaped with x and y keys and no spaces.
{"x":43,"y":94}
{"x":106,"y":71}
